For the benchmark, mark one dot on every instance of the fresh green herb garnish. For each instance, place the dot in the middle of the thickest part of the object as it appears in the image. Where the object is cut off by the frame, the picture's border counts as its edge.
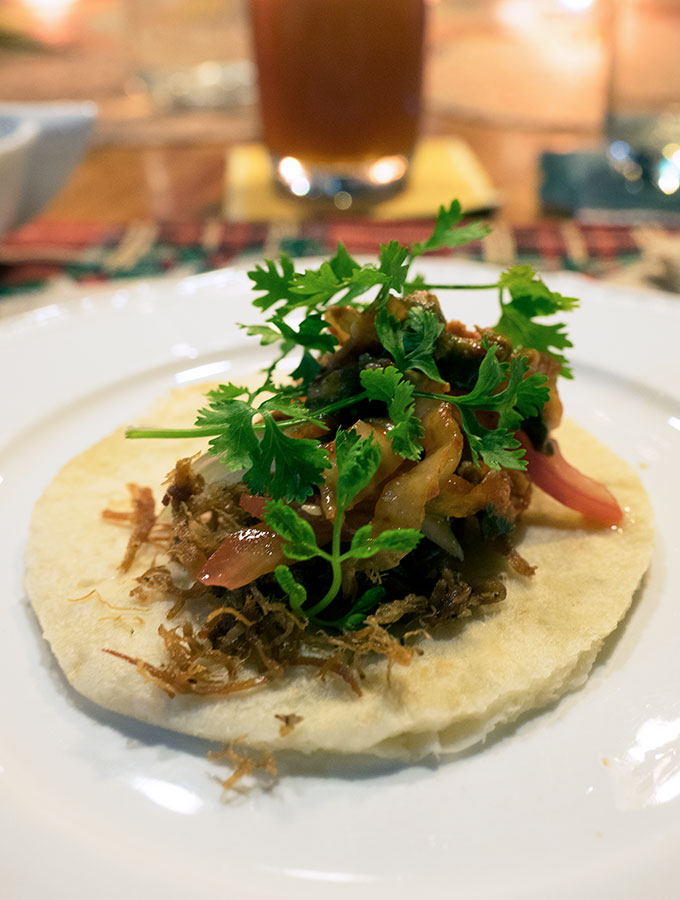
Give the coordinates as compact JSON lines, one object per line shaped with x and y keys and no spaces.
{"x":289,"y":468}
{"x":342,"y":280}
{"x":311,"y":335}
{"x":357,"y":460}
{"x":249,"y":430}
{"x":276,"y":464}
{"x":504,"y":389}
{"x":389,"y":386}
{"x":449,"y":233}
{"x":520,"y":396}
{"x":411,"y":343}
{"x":530,"y":297}
{"x":276,"y":284}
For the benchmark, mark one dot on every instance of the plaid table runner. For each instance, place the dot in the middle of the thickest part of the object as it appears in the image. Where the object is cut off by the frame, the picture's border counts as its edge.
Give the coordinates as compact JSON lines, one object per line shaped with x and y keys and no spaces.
{"x":85,"y":252}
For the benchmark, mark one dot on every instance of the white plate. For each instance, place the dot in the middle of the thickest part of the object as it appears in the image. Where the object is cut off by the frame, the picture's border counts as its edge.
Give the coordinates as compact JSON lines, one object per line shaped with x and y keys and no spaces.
{"x":581,"y":800}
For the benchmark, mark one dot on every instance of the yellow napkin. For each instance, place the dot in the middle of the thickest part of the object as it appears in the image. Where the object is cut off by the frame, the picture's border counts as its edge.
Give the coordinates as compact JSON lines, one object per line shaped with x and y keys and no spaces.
{"x":442,"y":168}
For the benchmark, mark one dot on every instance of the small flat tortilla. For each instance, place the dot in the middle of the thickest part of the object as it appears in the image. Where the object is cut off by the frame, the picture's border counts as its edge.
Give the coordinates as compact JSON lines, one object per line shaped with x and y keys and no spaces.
{"x":536,"y":645}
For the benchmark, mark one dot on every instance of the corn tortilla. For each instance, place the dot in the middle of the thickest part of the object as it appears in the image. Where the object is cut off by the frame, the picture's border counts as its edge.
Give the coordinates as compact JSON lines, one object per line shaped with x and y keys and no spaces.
{"x":539,"y":643}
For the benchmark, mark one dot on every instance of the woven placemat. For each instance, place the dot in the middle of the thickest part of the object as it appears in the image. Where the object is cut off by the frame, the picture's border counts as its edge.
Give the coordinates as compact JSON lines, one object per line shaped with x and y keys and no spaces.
{"x":44,"y":254}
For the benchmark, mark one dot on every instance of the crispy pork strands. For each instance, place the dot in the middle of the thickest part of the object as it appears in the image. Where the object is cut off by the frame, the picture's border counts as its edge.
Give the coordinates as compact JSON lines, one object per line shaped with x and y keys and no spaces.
{"x":142,"y":518}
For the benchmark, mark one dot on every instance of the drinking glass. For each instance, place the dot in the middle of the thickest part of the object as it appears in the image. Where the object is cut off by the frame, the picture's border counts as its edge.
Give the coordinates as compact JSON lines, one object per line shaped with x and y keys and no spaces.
{"x":340,"y":92}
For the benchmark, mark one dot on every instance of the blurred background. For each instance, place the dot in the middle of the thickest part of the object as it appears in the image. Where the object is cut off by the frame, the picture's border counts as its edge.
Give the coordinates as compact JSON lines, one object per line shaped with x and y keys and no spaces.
{"x":563,"y":114}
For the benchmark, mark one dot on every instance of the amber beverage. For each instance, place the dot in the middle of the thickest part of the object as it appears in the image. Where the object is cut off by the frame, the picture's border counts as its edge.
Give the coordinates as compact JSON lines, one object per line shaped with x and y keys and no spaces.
{"x":340,"y":88}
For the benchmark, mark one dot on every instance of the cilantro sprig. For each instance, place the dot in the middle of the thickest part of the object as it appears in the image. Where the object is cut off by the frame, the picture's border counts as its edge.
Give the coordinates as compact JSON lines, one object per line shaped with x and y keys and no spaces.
{"x":448,"y":232}
{"x":342,"y":279}
{"x":529,"y":298}
{"x":500,"y":387}
{"x":390,"y":386}
{"x":275,"y":464}
{"x":357,"y":461}
{"x":250,"y":430}
{"x":503,"y":388}
{"x":248,"y":437}
{"x":250,"y":433}
{"x":411,"y":343}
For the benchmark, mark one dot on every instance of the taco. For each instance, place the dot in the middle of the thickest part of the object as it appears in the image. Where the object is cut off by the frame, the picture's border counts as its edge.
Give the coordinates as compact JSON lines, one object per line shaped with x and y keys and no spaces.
{"x":380,"y":566}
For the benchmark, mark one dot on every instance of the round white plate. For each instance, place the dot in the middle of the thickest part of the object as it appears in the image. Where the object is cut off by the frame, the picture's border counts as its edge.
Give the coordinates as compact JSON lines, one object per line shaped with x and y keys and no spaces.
{"x":579,"y":800}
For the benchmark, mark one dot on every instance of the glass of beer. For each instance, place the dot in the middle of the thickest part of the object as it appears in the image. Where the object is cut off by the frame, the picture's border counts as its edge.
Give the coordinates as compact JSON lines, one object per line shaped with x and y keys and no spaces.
{"x":340,"y":92}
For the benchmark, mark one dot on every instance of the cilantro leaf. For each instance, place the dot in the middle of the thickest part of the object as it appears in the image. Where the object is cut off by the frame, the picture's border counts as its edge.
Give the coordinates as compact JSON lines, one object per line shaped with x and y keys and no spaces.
{"x":316,"y":288}
{"x":531,"y":297}
{"x":313,"y":333}
{"x":357,"y":461}
{"x":297,"y":593}
{"x":401,"y":540}
{"x":394,"y":264}
{"x":286,"y":468}
{"x":237,"y":443}
{"x":447,"y":234}
{"x":524,"y":332}
{"x":526,"y":395}
{"x":342,"y":263}
{"x":389,"y":386}
{"x":367,"y":603}
{"x":298,"y":533}
{"x":513,"y":400}
{"x":498,"y":447}
{"x":278,"y":465}
{"x":519,"y":398}
{"x":266,"y":333}
{"x":411,"y":343}
{"x":276,"y":284}
{"x":356,"y":279}
{"x":306,"y":370}
{"x":225,"y":392}
{"x":289,"y":405}
{"x":530,"y":293}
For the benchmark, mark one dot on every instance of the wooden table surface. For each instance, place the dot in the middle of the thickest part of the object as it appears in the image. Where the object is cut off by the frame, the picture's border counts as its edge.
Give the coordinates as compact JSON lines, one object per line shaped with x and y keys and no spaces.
{"x":488,"y":80}
{"x":185,"y":179}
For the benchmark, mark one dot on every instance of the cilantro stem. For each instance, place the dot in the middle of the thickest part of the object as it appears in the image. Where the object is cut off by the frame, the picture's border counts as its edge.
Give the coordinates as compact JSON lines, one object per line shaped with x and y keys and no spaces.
{"x":193,"y":432}
{"x":339,"y":404}
{"x":211,"y":431}
{"x":336,"y":567}
{"x":460,"y":287}
{"x":451,"y":398}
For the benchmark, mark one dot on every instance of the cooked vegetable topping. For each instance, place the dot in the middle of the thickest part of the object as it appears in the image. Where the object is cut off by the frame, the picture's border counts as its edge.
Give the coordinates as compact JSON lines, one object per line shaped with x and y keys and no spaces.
{"x":398,"y":442}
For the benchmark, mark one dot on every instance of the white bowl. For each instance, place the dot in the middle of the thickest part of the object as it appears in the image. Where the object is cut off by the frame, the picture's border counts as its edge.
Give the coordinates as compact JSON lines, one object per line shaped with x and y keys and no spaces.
{"x":40,"y":144}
